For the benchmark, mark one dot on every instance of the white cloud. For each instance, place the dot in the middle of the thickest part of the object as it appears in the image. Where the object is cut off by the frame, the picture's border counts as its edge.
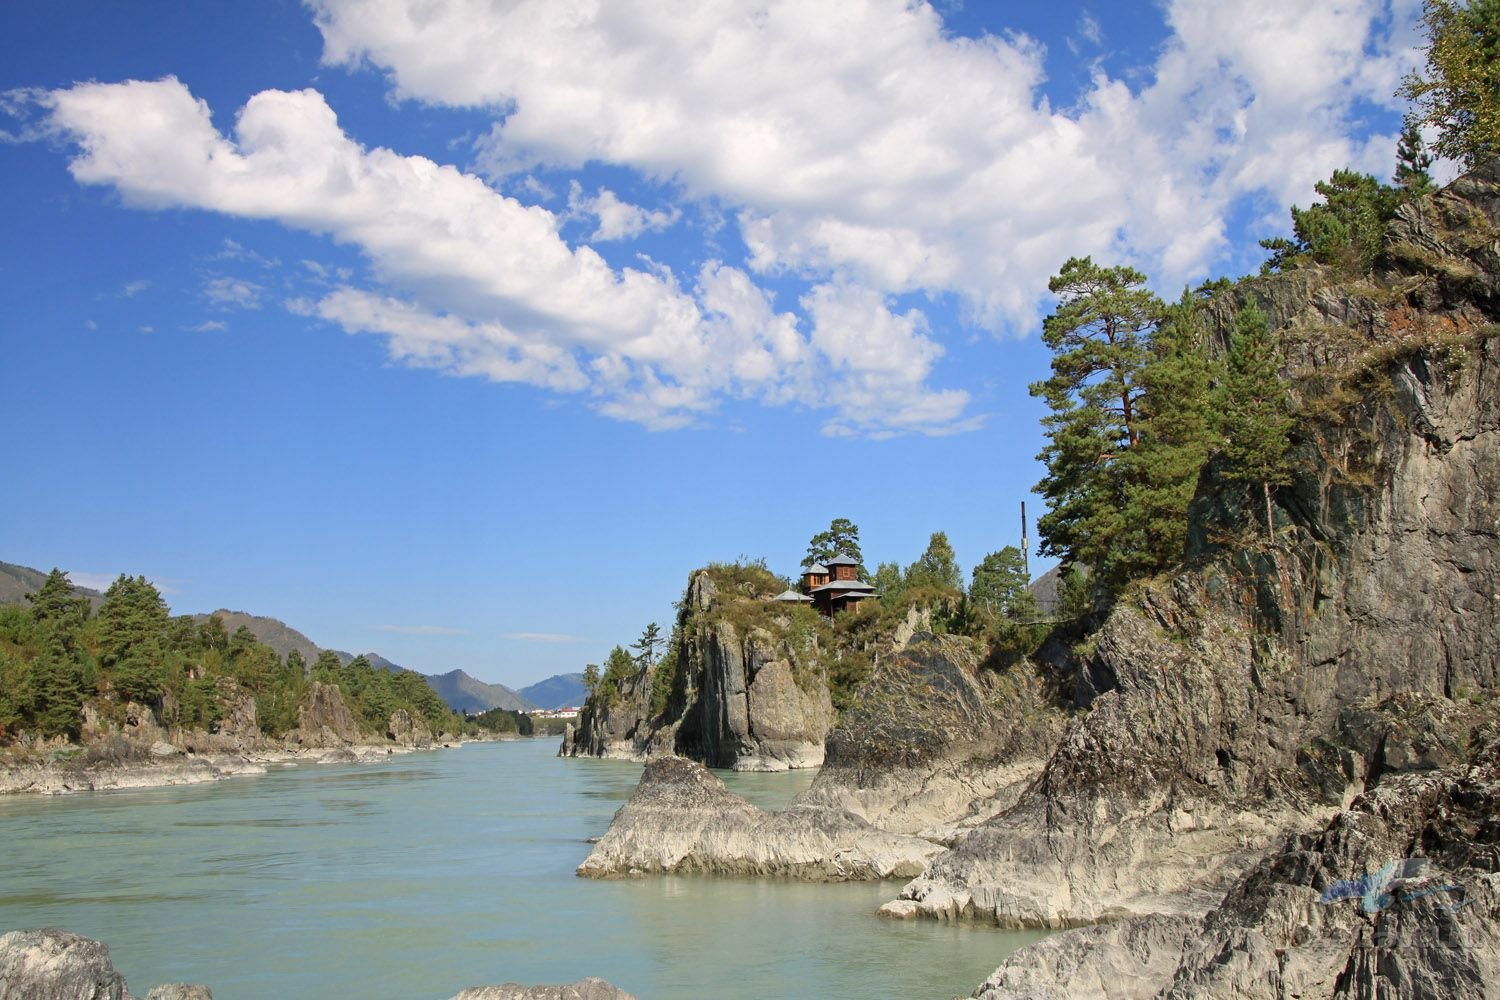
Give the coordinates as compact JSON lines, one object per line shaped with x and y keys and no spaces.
{"x":419,"y":629}
{"x":232,"y":293}
{"x":478,"y":283}
{"x":543,"y":637}
{"x":618,"y":220}
{"x":210,"y":326}
{"x":134,"y":288}
{"x":858,"y":139}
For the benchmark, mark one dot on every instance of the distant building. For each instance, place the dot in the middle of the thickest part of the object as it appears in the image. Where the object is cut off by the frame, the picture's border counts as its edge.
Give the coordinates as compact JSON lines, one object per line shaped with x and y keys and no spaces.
{"x":835,"y":586}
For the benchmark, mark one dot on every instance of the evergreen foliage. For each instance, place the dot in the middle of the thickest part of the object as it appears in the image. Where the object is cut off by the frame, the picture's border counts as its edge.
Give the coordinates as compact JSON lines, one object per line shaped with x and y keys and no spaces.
{"x":1100,"y":336}
{"x":1176,"y":431}
{"x":936,"y":567}
{"x":1344,"y":232}
{"x":1000,"y":586}
{"x":1460,"y":92}
{"x":647,"y":645}
{"x":1254,"y":407}
{"x":841,"y":538}
{"x":1412,"y":162}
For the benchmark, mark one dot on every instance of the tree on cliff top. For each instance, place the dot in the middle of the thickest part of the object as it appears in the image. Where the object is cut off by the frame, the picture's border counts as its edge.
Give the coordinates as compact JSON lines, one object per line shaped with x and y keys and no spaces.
{"x":1460,"y":92}
{"x":1000,"y":585}
{"x":937,"y":566}
{"x":841,"y":538}
{"x":1099,"y":336}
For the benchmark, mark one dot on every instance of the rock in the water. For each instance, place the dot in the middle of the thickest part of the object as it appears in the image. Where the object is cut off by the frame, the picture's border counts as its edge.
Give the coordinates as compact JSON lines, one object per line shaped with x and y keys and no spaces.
{"x":54,"y":964}
{"x":591,"y":988}
{"x":682,"y":819}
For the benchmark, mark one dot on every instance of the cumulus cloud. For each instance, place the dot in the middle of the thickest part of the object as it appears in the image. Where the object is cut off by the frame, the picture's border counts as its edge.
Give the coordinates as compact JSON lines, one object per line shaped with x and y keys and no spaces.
{"x":862,"y":139}
{"x":618,"y":220}
{"x":476,"y":283}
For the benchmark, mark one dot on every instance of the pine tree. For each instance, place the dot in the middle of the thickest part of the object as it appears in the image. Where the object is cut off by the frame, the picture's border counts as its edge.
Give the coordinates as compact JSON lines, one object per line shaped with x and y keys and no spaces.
{"x":647,"y":645}
{"x":1255,"y":410}
{"x":1345,"y":232}
{"x":1412,"y":162}
{"x":841,"y":539}
{"x":1099,"y":336}
{"x":937,"y":566}
{"x":1176,"y":433}
{"x":1000,"y":586}
{"x":57,"y":611}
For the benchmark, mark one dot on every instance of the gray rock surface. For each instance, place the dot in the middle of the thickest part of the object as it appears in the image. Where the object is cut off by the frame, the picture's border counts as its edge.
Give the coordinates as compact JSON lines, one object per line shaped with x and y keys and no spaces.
{"x":745,"y":698}
{"x":682,"y":819}
{"x":324,"y":719}
{"x":407,"y":730}
{"x":591,"y":988}
{"x":56,"y":965}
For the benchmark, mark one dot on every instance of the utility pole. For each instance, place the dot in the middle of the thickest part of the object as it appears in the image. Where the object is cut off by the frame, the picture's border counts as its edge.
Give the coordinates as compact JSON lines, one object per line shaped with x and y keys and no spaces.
{"x":1025,"y":545}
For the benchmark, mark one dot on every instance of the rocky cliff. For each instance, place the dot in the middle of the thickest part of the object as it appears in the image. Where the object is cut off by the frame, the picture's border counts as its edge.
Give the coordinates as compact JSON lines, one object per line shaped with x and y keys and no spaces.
{"x":747,"y":688}
{"x":1184,"y":757}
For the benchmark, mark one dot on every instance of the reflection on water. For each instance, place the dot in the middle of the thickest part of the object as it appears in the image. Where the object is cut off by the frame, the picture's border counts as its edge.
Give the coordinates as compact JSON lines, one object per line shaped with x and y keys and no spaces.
{"x":418,"y":875}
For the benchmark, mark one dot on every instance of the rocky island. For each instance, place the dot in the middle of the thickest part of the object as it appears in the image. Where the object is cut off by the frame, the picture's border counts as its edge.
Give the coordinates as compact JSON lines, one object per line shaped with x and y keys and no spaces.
{"x":1270,"y":770}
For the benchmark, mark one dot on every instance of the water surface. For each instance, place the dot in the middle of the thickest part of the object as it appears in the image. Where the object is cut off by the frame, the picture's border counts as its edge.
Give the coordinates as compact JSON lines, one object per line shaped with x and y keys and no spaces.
{"x":426,"y":873}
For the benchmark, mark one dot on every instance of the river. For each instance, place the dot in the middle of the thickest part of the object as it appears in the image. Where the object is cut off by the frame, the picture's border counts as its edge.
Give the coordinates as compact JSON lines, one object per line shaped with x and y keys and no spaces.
{"x":415,"y":877}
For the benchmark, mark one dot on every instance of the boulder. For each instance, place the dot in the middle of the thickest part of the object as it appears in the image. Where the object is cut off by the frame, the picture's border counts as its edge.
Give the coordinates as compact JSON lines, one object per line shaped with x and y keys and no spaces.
{"x":54,"y":964}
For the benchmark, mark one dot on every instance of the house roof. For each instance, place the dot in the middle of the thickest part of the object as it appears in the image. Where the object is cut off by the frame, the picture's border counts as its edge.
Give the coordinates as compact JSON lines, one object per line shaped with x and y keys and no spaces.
{"x":817,"y":568}
{"x":843,"y":585}
{"x":843,"y":559}
{"x":791,"y":595}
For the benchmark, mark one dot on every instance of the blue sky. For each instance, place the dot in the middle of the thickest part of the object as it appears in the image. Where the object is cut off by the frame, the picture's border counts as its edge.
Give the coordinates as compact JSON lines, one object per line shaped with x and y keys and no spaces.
{"x":462,"y":331}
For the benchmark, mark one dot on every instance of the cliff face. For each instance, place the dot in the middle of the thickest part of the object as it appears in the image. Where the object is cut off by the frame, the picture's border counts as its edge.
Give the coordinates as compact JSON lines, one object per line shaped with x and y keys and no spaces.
{"x":1186,"y":757}
{"x":1242,"y":699}
{"x":748,"y":693}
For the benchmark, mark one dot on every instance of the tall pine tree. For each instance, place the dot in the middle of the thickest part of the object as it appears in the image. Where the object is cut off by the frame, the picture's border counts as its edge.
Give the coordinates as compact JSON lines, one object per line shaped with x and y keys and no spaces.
{"x":1255,"y":410}
{"x":1099,"y":336}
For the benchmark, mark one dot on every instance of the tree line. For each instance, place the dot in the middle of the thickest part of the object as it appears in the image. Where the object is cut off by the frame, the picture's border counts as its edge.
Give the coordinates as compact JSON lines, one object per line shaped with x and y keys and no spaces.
{"x":56,"y":655}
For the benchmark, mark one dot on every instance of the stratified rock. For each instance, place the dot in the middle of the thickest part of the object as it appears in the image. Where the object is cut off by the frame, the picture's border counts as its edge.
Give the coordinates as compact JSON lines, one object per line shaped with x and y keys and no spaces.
{"x":1125,"y":960}
{"x":933,"y":745}
{"x":408,"y":731}
{"x":1411,"y":875}
{"x":324,"y":719}
{"x":53,"y":964}
{"x":591,"y":988}
{"x":682,"y":819}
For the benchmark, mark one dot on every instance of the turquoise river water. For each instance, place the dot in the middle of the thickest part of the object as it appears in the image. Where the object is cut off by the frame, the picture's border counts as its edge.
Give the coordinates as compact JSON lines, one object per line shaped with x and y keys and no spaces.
{"x":418,"y":876}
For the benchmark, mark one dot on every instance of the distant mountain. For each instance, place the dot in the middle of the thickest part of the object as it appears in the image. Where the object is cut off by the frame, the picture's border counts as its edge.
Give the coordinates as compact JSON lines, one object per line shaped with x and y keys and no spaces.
{"x":469,"y":694}
{"x":557,"y":691}
{"x":272,"y":631}
{"x":18,"y":581}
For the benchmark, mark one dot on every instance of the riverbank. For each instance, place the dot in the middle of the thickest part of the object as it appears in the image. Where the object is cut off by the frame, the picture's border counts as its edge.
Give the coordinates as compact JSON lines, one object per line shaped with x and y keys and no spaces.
{"x":120,"y":764}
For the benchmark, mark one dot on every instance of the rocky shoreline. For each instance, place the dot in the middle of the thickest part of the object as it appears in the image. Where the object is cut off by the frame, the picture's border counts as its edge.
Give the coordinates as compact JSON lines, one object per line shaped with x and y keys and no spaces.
{"x":53,"y":964}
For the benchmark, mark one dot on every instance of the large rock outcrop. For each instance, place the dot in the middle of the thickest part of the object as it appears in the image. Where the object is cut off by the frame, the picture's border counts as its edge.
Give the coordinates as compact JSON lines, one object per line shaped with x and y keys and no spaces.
{"x":1269,"y":683}
{"x":1399,"y":896}
{"x":746,"y":691}
{"x":682,"y":819}
{"x":930,"y":747}
{"x":324,"y":719}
